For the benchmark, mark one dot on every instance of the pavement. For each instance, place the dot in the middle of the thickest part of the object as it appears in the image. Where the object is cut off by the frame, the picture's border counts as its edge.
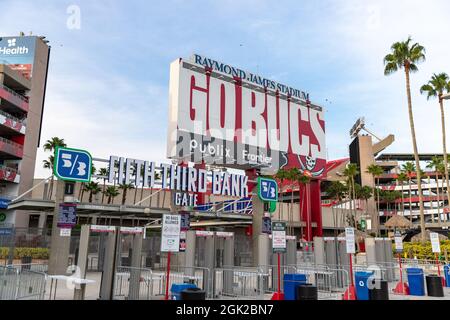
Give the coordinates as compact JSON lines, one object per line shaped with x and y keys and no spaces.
{"x":65,"y":291}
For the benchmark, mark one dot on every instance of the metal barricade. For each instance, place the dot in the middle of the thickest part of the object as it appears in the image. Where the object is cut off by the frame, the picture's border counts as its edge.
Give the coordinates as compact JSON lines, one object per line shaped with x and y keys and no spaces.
{"x":200,"y":276}
{"x":331,"y":281}
{"x":18,"y":283}
{"x":238,"y":283}
{"x":133,"y":284}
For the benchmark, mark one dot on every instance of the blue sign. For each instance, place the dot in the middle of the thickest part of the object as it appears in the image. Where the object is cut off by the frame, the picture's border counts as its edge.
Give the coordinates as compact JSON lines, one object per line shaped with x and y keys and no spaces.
{"x":4,"y":203}
{"x":6,"y":231}
{"x":267,"y":189}
{"x":67,"y":217}
{"x":73,"y":164}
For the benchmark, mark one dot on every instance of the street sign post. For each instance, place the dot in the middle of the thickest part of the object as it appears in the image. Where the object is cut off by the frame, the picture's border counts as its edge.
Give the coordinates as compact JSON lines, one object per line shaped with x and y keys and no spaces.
{"x":436,"y":248}
{"x":72,"y":164}
{"x":351,"y":249}
{"x":170,"y":240}
{"x":278,"y":246}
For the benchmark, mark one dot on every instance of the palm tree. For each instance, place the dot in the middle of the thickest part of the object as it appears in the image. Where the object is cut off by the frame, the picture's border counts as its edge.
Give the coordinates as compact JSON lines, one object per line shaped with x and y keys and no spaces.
{"x":125,"y":187}
{"x":292,"y":176}
{"x":103,"y":172}
{"x":51,"y":145}
{"x":363,"y":193}
{"x":281,"y":175}
{"x":376,"y":171}
{"x":304,"y":180}
{"x":437,"y":165}
{"x":337,"y":191}
{"x":406,"y":56}
{"x":350,"y":172}
{"x":401,"y":178}
{"x":409,"y":168}
{"x":93,"y":188}
{"x":111,"y":192}
{"x":436,"y":88}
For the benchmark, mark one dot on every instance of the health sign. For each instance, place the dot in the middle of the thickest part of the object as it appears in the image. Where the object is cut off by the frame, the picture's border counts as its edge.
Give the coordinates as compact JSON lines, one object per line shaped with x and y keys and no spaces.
{"x":72,"y":164}
{"x":267,"y":189}
{"x":278,"y":237}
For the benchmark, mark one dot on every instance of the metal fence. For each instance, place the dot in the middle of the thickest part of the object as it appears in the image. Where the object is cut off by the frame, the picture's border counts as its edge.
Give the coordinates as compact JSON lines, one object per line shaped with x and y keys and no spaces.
{"x":22,"y":283}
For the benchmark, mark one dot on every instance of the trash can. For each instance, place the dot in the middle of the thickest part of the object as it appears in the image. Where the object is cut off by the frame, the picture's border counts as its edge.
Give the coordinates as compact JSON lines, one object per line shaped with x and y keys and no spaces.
{"x":306,"y":292}
{"x":362,"y":289}
{"x":193,"y":294}
{"x":175,"y":290}
{"x":290,"y":282}
{"x":380,"y":291}
{"x":434,"y":286}
{"x":415,"y":281}
{"x":447,"y":275}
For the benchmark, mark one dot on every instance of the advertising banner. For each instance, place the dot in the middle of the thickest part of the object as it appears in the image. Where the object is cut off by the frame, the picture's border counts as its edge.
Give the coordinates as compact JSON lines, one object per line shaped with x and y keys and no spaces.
{"x":222,"y":115}
{"x":18,"y":53}
{"x":170,"y":234}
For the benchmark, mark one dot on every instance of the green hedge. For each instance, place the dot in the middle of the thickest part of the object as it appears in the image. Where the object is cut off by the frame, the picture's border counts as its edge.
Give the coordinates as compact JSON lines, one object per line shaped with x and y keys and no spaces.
{"x":423,"y":250}
{"x":35,"y":253}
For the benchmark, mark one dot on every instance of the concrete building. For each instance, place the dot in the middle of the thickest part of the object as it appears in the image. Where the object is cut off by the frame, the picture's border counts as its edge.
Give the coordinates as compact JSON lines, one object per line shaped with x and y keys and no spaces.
{"x":23,"y":76}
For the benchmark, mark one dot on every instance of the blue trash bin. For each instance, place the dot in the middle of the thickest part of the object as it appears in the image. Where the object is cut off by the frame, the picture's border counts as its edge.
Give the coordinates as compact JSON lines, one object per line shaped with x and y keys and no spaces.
{"x":447,"y":275}
{"x":290,"y":283}
{"x":175,"y":290}
{"x":361,"y":284}
{"x":416,"y":281}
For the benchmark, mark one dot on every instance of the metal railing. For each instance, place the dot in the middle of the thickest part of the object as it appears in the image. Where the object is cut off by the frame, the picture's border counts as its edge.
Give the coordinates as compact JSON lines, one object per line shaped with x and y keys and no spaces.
{"x":21,"y":97}
{"x":12,"y":143}
{"x":238,"y":283}
{"x":9,"y":169}
{"x":19,"y":283}
{"x":7,"y":115}
{"x":133,"y":284}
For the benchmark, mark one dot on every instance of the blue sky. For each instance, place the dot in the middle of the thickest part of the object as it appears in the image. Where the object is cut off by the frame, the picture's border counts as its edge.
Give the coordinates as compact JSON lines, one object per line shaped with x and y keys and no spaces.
{"x":108,"y":82}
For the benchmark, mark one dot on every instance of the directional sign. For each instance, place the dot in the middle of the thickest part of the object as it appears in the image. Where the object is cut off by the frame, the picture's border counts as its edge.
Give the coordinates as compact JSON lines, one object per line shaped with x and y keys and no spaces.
{"x":267,"y":189}
{"x":72,"y":164}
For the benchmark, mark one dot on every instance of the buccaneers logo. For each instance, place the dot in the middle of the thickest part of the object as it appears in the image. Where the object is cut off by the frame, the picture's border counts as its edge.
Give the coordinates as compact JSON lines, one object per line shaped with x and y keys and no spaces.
{"x":308,"y":166}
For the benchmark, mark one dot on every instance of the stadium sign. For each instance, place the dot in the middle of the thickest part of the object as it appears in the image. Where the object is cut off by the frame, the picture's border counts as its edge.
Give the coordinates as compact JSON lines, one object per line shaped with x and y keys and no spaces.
{"x":142,"y":173}
{"x":222,"y":115}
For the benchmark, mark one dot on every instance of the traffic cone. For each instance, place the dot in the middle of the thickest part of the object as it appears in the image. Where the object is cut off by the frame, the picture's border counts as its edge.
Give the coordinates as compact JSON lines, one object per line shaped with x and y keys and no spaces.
{"x":350,"y":293}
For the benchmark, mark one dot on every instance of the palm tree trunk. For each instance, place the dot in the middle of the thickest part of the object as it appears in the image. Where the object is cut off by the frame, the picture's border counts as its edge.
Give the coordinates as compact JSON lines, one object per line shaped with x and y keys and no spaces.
{"x":410,"y":203}
{"x":416,"y":154}
{"x":291,"y":212}
{"x":438,"y":197}
{"x":103,"y":193}
{"x":403,"y":202}
{"x":378,"y":208}
{"x":444,"y":147}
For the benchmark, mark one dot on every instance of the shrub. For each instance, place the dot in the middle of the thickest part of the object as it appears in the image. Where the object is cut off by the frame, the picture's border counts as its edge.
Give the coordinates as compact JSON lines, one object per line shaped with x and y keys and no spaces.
{"x":423,"y":250}
{"x":35,"y":253}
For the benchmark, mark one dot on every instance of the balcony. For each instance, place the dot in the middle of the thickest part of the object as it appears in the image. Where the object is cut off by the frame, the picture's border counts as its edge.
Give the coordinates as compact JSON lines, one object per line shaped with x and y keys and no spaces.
{"x":12,"y":101}
{"x":10,"y":125}
{"x":9,"y":174}
{"x":10,"y":149}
